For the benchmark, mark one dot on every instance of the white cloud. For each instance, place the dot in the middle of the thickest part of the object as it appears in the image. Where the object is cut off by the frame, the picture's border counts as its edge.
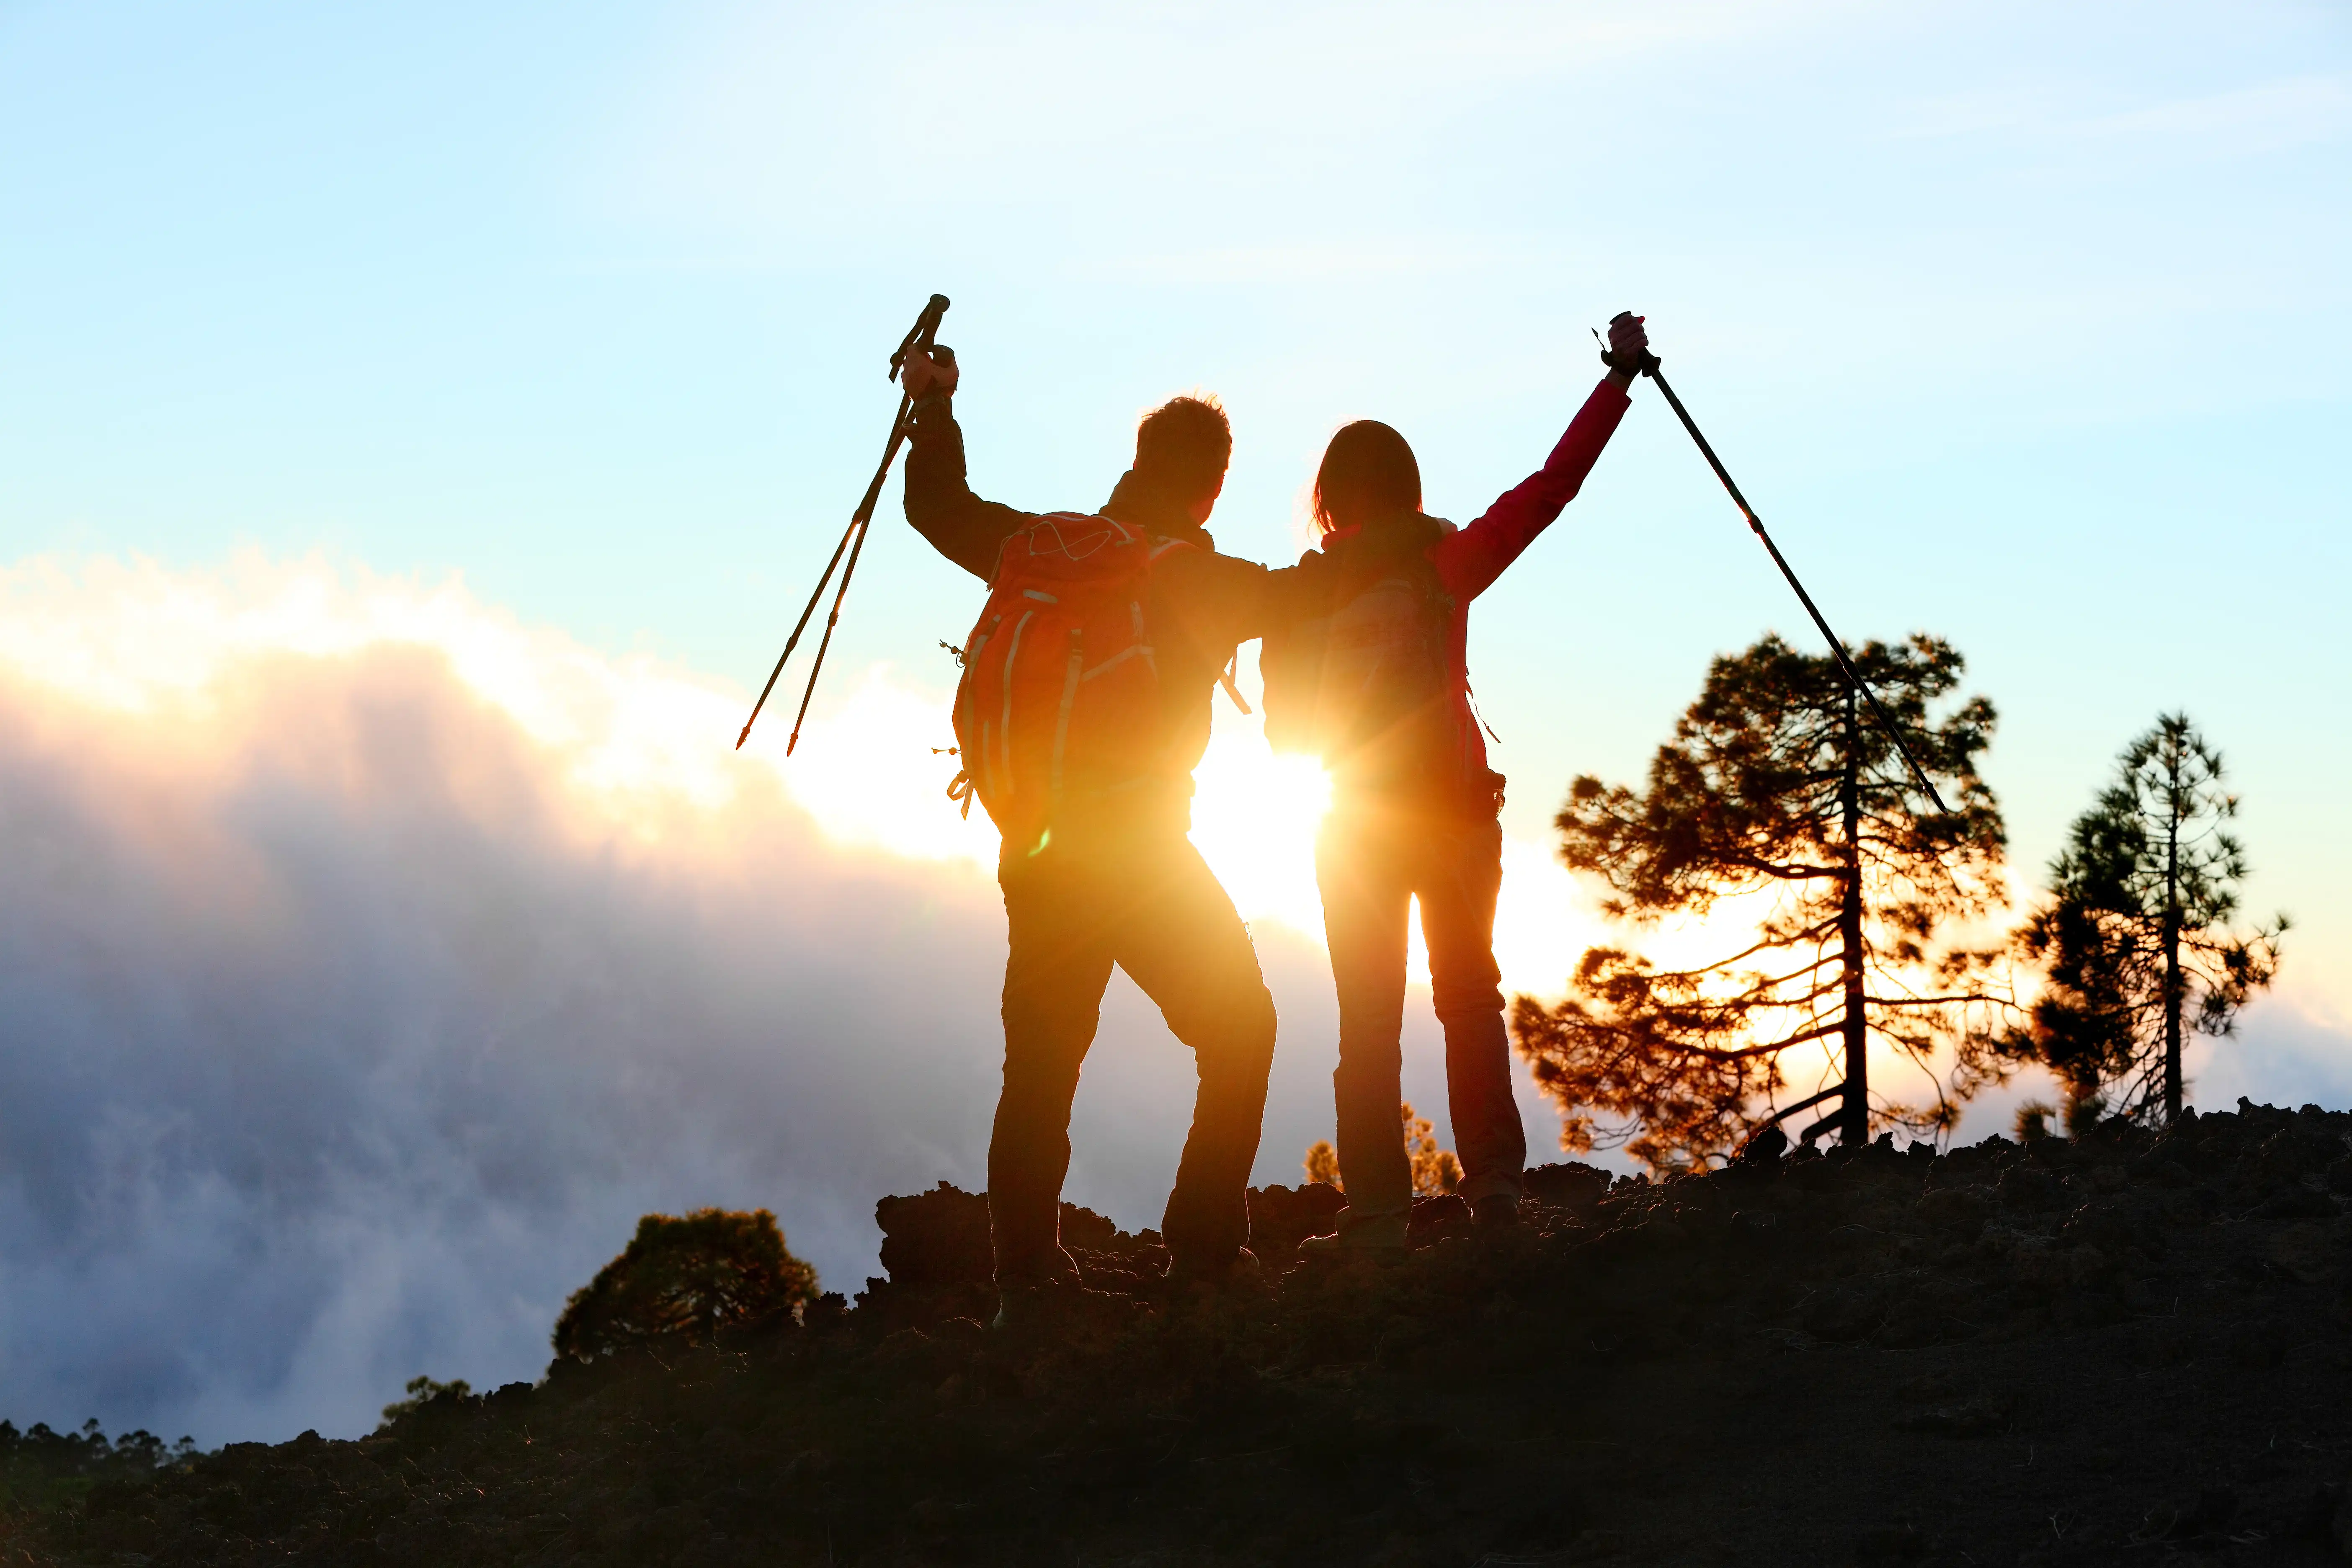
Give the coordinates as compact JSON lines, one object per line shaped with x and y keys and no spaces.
{"x":372,"y":962}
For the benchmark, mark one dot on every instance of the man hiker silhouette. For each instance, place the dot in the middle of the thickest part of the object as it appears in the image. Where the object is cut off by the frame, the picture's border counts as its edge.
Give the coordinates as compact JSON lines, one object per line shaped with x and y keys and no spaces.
{"x":1084,"y":710}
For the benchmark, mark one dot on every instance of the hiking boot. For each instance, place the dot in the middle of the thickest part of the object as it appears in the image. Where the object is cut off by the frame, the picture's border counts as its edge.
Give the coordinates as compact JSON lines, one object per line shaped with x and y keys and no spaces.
{"x":1496,"y":1211}
{"x":1239,"y":1266}
{"x":1022,"y":1306}
{"x":1379,"y":1237}
{"x":1033,"y":1305}
{"x":1028,"y":1298}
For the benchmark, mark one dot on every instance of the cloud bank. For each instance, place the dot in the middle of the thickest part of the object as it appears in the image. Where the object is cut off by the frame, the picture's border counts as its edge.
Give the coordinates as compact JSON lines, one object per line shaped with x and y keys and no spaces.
{"x":371,"y":963}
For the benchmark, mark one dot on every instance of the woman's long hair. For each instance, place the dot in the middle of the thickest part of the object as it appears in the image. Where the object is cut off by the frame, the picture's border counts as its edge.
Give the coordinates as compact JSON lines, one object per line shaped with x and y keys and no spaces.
{"x":1370,"y":480}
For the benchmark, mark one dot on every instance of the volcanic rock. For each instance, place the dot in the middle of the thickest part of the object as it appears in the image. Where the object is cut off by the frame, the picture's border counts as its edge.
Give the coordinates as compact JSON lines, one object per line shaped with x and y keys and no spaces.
{"x":2118,"y":1349}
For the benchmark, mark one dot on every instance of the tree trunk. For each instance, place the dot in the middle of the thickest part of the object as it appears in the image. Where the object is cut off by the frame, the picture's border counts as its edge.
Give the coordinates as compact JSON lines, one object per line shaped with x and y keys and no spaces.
{"x":2172,"y":949}
{"x":1853,"y":1115}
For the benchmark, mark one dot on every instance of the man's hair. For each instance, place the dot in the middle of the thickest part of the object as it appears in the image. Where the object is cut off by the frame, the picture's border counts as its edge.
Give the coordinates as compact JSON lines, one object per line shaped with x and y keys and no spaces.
{"x":1182,"y":446}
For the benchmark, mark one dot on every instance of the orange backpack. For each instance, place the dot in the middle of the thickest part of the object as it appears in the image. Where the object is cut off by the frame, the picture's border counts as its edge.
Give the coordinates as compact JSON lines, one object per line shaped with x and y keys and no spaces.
{"x":1060,"y":696}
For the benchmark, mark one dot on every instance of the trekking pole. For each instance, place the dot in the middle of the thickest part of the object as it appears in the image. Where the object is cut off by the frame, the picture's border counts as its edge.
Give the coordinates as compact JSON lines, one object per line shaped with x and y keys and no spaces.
{"x":1649,"y":367}
{"x":925,"y":327}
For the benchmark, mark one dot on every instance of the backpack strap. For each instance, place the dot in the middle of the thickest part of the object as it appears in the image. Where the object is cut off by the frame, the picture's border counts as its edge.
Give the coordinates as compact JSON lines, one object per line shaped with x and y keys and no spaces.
{"x":1225,"y":679}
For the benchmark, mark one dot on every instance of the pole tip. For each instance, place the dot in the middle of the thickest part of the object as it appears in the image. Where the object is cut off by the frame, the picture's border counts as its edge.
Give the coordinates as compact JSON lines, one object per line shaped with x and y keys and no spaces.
{"x":744,"y":737}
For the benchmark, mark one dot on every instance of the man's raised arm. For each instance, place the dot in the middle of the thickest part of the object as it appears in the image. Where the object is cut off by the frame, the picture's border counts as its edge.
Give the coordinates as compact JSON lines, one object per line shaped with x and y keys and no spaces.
{"x":961,"y":526}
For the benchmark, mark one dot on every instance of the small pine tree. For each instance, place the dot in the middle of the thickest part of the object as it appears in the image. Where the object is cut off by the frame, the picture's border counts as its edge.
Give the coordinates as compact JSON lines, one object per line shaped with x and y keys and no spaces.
{"x":687,"y":1277}
{"x":422,"y":1391}
{"x":1780,"y":785}
{"x":2135,"y":937}
{"x":1436,"y":1171}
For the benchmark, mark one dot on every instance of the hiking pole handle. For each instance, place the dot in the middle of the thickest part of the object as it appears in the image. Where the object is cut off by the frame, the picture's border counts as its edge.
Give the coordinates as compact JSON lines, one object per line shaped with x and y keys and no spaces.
{"x":1650,"y":366}
{"x":1646,"y":364}
{"x":925,"y":327}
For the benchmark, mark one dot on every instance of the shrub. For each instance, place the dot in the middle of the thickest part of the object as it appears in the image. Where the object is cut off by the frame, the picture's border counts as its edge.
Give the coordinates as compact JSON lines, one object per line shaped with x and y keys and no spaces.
{"x":687,"y":1278}
{"x":422,"y":1391}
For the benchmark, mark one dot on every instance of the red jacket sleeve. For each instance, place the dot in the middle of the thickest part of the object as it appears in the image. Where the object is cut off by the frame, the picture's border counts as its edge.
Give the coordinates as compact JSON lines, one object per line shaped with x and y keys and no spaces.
{"x":1469,"y":560}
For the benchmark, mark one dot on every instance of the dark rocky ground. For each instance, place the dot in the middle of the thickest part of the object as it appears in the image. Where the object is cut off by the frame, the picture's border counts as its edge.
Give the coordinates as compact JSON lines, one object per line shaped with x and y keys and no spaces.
{"x":2120,"y":1350}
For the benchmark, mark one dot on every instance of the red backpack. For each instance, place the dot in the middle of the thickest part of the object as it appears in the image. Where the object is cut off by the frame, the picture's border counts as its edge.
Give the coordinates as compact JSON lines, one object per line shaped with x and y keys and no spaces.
{"x":1060,"y":696}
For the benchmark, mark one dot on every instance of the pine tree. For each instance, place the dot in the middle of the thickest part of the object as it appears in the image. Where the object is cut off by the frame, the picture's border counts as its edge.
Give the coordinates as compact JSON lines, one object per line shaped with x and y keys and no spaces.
{"x":1322,"y":1164}
{"x":2135,"y":937}
{"x":1436,"y":1171}
{"x":1780,"y":791}
{"x":685,"y":1276}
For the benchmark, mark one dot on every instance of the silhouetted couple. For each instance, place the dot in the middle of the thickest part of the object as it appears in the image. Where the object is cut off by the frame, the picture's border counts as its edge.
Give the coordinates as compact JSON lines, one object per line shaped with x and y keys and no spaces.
{"x":1083,"y":710}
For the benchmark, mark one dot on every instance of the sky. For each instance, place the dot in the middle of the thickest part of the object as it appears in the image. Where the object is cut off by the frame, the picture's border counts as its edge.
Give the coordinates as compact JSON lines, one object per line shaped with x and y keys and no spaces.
{"x":418,"y":426}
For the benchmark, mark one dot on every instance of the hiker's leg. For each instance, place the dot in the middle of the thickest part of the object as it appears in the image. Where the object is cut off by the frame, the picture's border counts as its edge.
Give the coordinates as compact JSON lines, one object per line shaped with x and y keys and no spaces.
{"x":1461,"y":875}
{"x":1054,"y":972}
{"x":1366,"y":903}
{"x":1185,"y":945}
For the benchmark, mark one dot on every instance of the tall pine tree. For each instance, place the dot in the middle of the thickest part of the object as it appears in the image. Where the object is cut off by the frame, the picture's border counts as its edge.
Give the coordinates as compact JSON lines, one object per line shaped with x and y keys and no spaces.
{"x":1780,"y":791}
{"x":2136,"y":937}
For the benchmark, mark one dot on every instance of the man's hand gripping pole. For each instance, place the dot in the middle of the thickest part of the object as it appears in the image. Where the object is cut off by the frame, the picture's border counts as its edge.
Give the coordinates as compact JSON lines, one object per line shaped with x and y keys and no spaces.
{"x":1648,"y":365}
{"x":852,"y":538}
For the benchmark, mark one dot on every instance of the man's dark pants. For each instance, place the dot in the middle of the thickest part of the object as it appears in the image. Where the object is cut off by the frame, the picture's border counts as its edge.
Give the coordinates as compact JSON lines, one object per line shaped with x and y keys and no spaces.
{"x":1144,"y":899}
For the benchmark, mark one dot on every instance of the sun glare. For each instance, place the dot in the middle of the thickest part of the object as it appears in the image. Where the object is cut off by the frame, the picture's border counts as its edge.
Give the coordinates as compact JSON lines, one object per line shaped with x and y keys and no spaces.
{"x":1255,"y":817}
{"x":874,"y":770}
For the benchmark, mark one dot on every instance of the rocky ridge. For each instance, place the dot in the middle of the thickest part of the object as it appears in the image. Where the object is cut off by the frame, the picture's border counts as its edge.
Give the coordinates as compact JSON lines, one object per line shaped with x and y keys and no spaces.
{"x":2125,"y":1348}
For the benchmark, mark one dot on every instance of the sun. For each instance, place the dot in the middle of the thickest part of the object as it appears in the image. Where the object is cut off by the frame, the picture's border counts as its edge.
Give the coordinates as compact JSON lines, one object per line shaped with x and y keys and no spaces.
{"x":1255,"y":817}
{"x":869,"y":772}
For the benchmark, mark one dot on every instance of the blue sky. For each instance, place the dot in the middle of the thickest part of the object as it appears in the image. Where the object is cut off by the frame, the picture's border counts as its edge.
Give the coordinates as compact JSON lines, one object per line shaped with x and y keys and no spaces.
{"x":2024,"y":325}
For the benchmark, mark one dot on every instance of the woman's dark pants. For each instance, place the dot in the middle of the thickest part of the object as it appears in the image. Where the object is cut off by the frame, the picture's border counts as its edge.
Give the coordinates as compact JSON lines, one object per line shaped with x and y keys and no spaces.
{"x":1374,"y":857}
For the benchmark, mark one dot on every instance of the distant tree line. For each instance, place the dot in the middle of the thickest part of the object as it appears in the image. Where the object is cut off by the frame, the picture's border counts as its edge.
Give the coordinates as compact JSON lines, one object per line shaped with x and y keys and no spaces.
{"x":42,"y":1469}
